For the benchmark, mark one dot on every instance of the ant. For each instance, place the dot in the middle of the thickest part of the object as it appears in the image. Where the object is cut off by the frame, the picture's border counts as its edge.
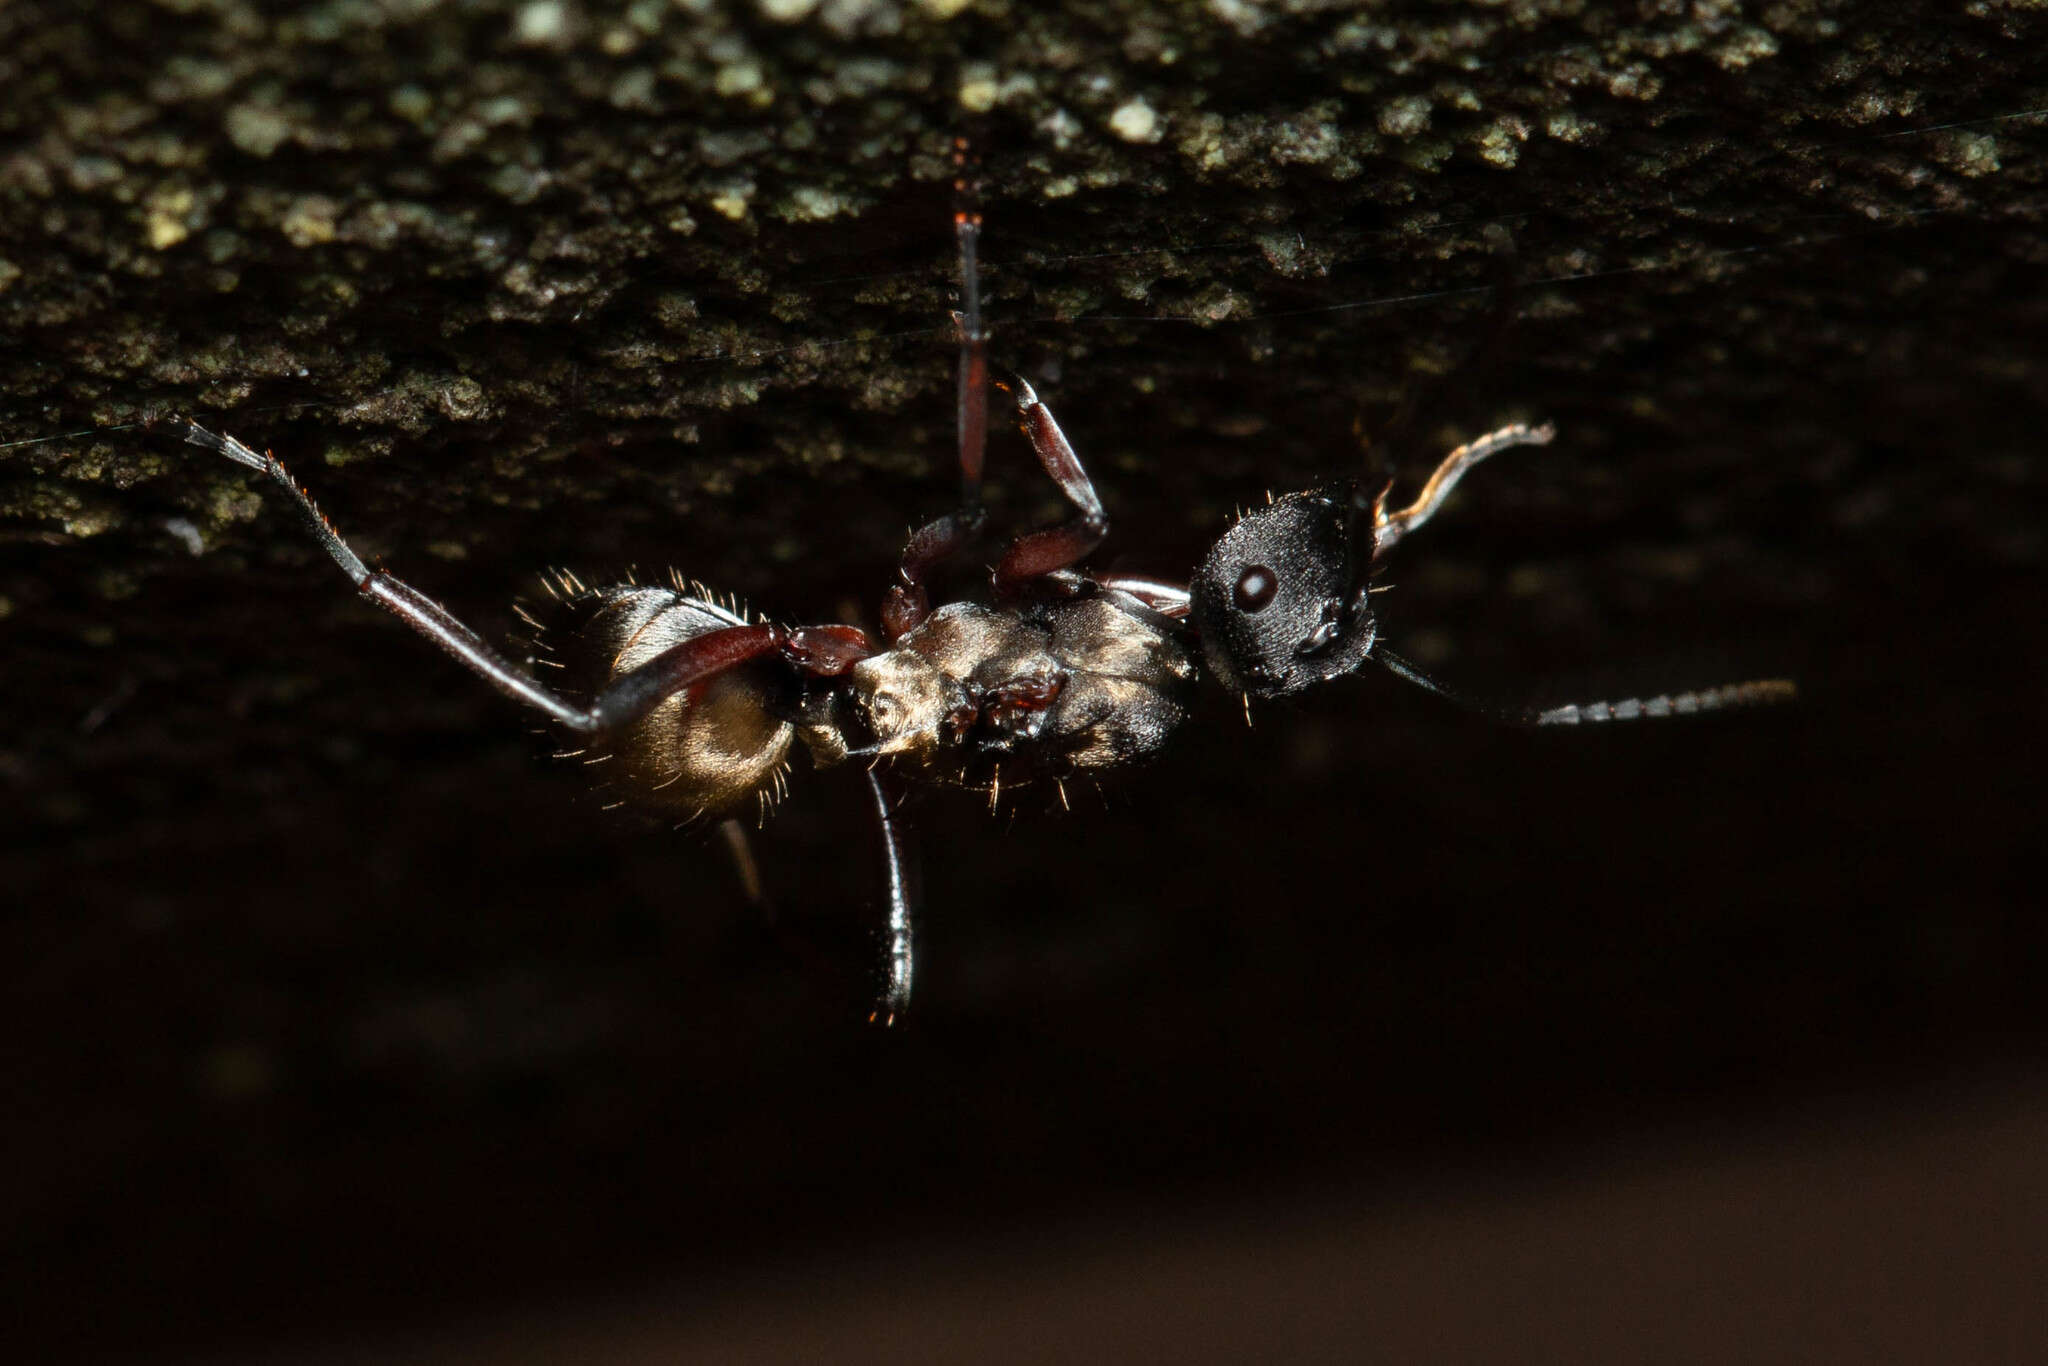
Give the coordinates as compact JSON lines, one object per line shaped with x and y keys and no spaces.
{"x":1061,"y":673}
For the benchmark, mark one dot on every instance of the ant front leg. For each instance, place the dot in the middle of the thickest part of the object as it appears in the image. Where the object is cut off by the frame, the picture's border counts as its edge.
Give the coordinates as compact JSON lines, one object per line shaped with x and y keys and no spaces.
{"x":820,"y":651}
{"x":1041,"y":553}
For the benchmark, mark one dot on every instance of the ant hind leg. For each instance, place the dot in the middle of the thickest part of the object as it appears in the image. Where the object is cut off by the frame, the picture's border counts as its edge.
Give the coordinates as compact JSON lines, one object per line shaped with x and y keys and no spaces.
{"x":819,"y":651}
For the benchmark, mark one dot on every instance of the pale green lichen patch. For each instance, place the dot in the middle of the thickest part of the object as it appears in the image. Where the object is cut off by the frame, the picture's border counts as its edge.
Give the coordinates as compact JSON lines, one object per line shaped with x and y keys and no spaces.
{"x":1500,"y":142}
{"x":1967,"y":152}
{"x":1747,"y":46}
{"x":1567,"y":126}
{"x":169,"y":217}
{"x":69,"y":506}
{"x":1405,"y":117}
{"x":741,"y":78}
{"x":1136,"y":121}
{"x":310,"y":221}
{"x":785,"y":11}
{"x":542,"y":23}
{"x":258,"y":129}
{"x":735,"y":201}
{"x":815,"y":204}
{"x":979,"y":89}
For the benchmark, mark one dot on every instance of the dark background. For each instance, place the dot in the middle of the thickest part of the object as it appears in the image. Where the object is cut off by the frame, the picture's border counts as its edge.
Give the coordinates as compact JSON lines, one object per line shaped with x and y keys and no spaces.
{"x":336,"y":1011}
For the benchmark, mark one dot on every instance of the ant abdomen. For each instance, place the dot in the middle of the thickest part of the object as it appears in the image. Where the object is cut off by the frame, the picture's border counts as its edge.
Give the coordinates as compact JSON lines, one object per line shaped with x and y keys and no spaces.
{"x":712,"y":750}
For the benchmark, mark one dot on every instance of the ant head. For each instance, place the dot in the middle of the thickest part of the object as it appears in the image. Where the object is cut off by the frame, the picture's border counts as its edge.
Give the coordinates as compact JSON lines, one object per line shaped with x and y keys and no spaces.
{"x":1280,"y":602}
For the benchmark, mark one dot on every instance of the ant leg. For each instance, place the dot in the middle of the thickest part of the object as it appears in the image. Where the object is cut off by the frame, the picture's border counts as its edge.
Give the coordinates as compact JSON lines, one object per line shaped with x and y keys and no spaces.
{"x":819,"y":651}
{"x":1041,"y":553}
{"x":1170,"y":600}
{"x":1160,"y":604}
{"x":899,"y":942}
{"x":823,"y":651}
{"x":900,"y":939}
{"x":409,"y":605}
{"x":1390,"y":527}
{"x":908,"y":603}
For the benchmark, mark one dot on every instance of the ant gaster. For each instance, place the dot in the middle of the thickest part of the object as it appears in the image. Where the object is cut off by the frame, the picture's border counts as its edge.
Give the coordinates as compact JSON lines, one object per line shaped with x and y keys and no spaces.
{"x":1062,"y":673}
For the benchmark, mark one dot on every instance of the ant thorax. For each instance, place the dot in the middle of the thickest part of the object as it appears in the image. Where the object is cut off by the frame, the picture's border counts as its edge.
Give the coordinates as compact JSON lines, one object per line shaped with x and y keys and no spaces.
{"x":988,"y":697}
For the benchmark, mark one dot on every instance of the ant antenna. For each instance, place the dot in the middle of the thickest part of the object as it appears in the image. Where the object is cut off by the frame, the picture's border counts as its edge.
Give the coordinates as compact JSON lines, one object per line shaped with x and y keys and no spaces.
{"x":1756,"y":692}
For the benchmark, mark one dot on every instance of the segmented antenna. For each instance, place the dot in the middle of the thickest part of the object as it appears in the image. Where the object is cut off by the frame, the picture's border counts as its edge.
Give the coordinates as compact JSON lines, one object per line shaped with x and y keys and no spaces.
{"x":1759,"y":692}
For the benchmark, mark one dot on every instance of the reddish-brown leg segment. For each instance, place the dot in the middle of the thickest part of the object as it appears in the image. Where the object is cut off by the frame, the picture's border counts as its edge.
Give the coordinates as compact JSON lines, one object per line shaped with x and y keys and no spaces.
{"x":908,"y":602}
{"x":1045,"y":552}
{"x":821,"y":651}
{"x":1007,"y":706}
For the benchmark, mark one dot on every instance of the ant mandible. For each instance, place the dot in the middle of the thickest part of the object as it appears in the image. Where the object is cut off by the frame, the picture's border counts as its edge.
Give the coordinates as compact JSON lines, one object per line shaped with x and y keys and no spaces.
{"x":1062,"y":673}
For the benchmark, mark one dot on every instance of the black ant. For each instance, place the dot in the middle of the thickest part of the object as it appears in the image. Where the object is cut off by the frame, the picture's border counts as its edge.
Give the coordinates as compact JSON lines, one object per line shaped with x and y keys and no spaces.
{"x":1062,"y":673}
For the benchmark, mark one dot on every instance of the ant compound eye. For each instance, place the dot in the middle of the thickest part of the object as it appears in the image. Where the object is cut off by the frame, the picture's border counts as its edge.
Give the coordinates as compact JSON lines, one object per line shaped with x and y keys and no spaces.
{"x":1255,"y":589}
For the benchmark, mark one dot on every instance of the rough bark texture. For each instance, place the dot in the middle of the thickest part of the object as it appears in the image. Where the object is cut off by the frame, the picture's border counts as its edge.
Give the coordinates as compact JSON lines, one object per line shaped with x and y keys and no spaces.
{"x":311,"y":948}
